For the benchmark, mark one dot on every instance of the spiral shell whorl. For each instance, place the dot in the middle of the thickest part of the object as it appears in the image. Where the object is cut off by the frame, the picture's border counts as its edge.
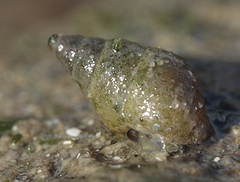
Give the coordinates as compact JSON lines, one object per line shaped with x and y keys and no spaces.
{"x":134,"y":87}
{"x":78,"y":55}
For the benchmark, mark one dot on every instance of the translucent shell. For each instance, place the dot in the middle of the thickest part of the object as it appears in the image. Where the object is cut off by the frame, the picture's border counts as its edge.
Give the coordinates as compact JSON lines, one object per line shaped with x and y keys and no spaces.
{"x":146,"y":89}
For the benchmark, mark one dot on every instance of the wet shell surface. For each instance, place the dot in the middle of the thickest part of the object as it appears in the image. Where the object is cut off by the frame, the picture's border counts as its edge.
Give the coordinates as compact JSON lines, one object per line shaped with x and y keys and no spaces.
{"x":132,"y":87}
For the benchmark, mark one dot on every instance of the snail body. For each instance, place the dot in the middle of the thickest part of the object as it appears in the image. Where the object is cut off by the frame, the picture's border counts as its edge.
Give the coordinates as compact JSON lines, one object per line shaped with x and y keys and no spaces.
{"x":146,"y":89}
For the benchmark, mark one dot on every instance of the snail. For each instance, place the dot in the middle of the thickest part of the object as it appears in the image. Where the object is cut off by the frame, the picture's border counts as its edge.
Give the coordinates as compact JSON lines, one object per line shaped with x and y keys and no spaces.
{"x":136,"y":88}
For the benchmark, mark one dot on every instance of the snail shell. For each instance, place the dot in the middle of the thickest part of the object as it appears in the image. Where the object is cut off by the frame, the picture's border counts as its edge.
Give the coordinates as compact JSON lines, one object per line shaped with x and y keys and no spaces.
{"x":146,"y":89}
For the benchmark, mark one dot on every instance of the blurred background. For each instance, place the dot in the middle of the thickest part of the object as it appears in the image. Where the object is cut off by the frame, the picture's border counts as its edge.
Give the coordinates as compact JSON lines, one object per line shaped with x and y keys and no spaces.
{"x":32,"y":82}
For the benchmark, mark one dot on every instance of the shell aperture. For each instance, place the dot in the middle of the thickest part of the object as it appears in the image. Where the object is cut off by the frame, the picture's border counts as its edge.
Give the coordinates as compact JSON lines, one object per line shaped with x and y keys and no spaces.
{"x":146,"y":89}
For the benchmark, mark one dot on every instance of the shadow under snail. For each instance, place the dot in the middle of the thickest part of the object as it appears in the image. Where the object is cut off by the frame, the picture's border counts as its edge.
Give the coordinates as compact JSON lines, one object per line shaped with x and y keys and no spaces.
{"x":132,"y":87}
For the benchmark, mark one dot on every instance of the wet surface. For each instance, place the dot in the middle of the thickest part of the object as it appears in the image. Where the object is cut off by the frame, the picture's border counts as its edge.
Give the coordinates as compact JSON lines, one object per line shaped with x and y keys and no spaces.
{"x":40,"y":104}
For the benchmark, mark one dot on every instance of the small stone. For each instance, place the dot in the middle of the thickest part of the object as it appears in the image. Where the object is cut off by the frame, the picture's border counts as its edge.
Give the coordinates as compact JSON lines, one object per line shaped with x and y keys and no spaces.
{"x":78,"y":155}
{"x":39,"y":171}
{"x":116,"y":166}
{"x":117,"y":158}
{"x":67,"y":142}
{"x":235,"y":130}
{"x":216,"y":159}
{"x":90,"y":122}
{"x":74,"y":132}
{"x":98,"y":134}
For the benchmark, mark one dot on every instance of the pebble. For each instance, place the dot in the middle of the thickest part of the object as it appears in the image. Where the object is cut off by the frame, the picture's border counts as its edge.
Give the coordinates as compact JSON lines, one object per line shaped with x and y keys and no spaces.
{"x":98,"y":134}
{"x":216,"y":159}
{"x":74,"y":132}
